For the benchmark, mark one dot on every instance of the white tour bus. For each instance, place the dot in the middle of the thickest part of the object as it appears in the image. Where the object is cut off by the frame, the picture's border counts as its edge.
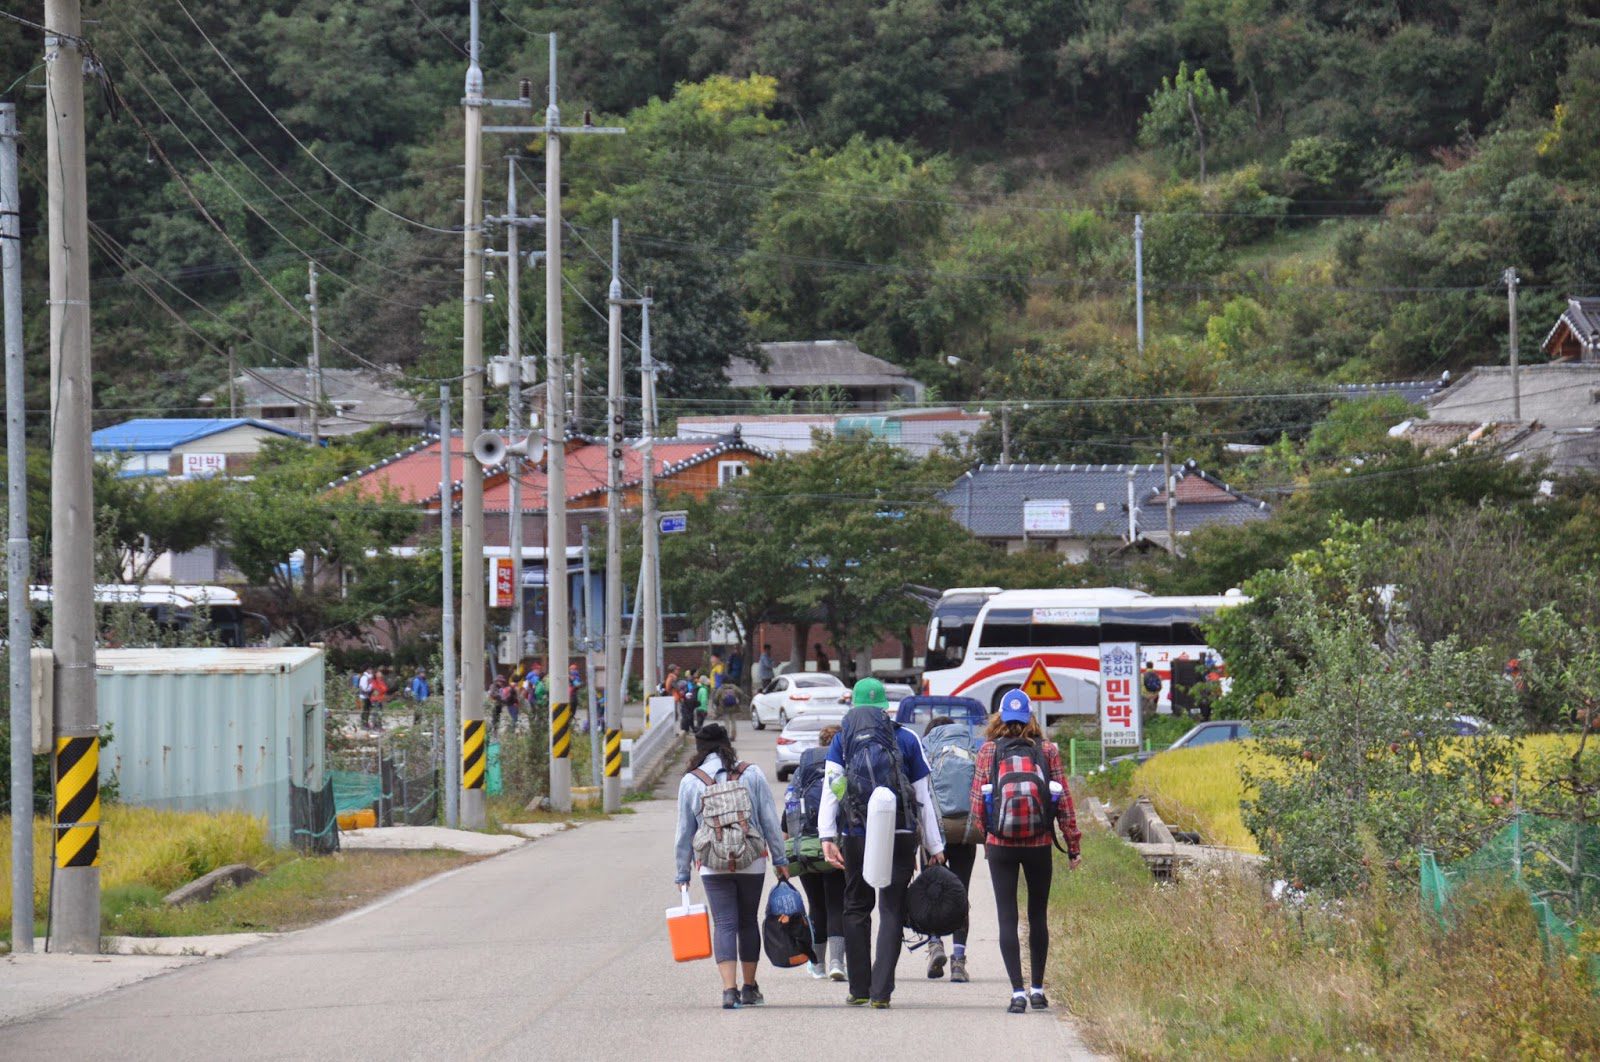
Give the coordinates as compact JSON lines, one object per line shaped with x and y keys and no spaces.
{"x":169,"y":606}
{"x":983,"y":641}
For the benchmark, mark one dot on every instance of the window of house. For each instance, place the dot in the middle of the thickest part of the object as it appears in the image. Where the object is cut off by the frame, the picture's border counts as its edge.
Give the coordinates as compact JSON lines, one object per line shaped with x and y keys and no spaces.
{"x":728,"y":471}
{"x":278,"y":412}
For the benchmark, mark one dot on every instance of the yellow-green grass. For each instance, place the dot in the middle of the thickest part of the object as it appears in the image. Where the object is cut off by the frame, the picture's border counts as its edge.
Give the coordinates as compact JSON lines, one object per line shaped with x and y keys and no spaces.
{"x":1201,"y":789}
{"x":156,"y":849}
{"x":1210,"y":967}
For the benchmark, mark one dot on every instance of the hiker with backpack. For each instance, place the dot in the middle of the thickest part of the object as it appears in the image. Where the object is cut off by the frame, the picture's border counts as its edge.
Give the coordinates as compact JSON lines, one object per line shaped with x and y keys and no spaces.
{"x":870,"y":760}
{"x":728,"y":827}
{"x":1020,"y":795}
{"x":822,"y":881}
{"x":952,"y":752}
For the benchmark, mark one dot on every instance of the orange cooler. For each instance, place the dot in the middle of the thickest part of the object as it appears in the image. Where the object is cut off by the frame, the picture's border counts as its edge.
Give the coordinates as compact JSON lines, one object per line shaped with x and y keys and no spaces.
{"x":689,"y":927}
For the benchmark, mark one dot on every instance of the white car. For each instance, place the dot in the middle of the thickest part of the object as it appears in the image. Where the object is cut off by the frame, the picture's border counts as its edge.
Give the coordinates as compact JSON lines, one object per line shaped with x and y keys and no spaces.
{"x":897,"y":692}
{"x":801,"y":734}
{"x":788,"y":695}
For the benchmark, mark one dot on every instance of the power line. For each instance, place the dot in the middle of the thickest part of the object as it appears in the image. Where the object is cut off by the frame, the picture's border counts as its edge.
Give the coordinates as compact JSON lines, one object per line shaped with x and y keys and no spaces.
{"x":297,"y":141}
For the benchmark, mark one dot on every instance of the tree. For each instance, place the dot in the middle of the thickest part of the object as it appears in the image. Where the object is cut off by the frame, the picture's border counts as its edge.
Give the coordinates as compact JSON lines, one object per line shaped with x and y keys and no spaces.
{"x":1188,"y":115}
{"x":143,"y":518}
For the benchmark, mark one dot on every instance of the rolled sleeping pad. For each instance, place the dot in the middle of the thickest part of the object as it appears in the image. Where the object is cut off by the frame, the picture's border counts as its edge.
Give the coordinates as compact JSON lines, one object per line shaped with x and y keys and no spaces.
{"x":877,"y":862}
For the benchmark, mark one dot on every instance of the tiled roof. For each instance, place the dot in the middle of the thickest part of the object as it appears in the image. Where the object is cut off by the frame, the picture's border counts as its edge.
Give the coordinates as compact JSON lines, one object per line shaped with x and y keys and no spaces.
{"x":816,"y":363}
{"x":988,"y":500}
{"x":412,"y":475}
{"x":1582,"y":319}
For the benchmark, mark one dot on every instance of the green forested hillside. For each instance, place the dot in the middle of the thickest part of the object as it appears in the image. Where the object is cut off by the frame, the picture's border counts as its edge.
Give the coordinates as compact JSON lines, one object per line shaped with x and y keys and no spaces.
{"x":932,"y":178}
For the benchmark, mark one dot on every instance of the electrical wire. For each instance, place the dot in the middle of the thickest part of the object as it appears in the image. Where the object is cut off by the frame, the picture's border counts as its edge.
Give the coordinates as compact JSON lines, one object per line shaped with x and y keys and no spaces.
{"x":297,"y":141}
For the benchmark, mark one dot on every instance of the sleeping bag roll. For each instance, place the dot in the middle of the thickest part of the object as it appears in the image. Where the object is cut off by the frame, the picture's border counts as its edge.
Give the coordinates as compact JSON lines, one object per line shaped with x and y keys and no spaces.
{"x":877,"y":863}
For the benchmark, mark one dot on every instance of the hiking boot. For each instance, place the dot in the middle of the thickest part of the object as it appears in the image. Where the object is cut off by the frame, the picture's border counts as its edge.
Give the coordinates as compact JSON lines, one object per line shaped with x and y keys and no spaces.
{"x":730,"y":999}
{"x":855,"y":1001}
{"x":936,"y":959}
{"x":836,"y":959}
{"x":1019,"y":1005}
{"x":880,"y":1004}
{"x":1036,"y":998}
{"x":958,"y":969}
{"x":751,"y":996}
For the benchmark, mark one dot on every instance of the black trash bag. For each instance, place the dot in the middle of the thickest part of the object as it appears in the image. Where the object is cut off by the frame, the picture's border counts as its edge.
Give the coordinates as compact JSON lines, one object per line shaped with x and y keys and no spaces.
{"x":785,"y":931}
{"x":936,"y":902}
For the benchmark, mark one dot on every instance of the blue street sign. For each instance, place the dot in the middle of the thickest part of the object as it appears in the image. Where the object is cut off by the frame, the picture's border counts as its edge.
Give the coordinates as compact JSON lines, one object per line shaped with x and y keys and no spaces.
{"x":674,"y":523}
{"x":1016,"y":700}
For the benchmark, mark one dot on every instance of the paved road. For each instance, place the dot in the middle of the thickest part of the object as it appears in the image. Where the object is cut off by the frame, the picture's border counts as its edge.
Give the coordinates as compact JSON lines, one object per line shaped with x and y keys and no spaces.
{"x":557,"y":949}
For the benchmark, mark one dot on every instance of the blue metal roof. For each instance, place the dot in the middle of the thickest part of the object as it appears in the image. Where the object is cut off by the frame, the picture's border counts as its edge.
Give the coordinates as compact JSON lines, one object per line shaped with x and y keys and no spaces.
{"x":152,"y":435}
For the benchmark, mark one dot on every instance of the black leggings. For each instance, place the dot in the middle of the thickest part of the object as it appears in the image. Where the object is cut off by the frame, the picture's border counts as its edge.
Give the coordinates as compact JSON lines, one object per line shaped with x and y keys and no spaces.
{"x":1035,"y":863}
{"x":825,"y":900}
{"x":961,"y":857}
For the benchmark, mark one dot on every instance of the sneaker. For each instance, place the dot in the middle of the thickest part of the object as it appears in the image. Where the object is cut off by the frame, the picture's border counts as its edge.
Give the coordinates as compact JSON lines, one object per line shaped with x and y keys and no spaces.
{"x":958,"y":969}
{"x":855,"y":1001}
{"x":836,"y":959}
{"x":936,"y":959}
{"x":751,"y":996}
{"x":730,"y":999}
{"x":1036,"y":998}
{"x":880,"y":1004}
{"x":1019,"y":1005}
{"x":817,"y":970}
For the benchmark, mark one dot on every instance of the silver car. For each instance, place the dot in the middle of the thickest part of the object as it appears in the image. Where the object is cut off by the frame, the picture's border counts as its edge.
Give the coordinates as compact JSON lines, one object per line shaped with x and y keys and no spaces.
{"x":801,"y":734}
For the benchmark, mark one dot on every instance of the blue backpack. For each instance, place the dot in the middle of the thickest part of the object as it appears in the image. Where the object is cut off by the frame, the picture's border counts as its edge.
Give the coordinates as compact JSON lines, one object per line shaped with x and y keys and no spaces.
{"x":872,"y":758}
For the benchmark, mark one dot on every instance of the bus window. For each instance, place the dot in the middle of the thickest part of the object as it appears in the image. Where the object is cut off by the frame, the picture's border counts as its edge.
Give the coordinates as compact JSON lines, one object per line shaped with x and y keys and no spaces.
{"x":1007,"y":629}
{"x":1187,"y":634}
{"x":1143,"y":633}
{"x":1046,"y":635}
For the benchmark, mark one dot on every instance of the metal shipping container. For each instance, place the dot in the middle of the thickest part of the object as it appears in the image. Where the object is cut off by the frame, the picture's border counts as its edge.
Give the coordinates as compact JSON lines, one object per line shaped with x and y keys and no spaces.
{"x":213,"y":729}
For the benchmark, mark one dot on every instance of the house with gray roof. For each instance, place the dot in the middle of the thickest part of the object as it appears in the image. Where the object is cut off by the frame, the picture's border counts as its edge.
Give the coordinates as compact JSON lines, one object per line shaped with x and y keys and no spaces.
{"x":354,"y":401}
{"x":1576,"y":334}
{"x":1081,"y":510}
{"x":801,"y":369}
{"x":1555,"y":417}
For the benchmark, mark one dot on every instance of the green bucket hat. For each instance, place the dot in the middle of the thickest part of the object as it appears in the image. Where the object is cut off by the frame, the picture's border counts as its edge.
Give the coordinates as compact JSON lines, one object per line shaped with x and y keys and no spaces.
{"x":869,"y":693}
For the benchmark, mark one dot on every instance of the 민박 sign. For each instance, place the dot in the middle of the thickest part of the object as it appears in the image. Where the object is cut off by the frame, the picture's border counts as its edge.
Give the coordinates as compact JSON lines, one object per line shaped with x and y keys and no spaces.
{"x":500,"y":590}
{"x":1119,"y":695}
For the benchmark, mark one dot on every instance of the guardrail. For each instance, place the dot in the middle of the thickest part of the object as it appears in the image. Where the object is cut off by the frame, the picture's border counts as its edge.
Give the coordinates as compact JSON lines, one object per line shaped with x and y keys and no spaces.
{"x":656,"y":742}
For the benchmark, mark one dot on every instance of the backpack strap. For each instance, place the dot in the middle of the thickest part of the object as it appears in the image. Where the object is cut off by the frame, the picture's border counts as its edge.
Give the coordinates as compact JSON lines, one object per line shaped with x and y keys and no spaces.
{"x":737,"y":770}
{"x":705,"y":778}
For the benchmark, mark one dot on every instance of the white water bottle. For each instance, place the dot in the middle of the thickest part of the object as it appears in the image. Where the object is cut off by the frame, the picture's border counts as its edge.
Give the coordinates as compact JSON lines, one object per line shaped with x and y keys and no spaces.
{"x":877,"y":861}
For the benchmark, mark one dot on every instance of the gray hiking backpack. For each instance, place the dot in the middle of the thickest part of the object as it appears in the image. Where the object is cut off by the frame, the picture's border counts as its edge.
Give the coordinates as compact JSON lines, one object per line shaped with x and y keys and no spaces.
{"x":952,"y":759}
{"x":727,"y":839}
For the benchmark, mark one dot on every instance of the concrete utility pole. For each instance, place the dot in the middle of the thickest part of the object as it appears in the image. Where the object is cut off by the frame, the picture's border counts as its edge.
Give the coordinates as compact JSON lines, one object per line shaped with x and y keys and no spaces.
{"x":1511,"y":281}
{"x":1133,"y":511}
{"x":1172,"y":501}
{"x":650,"y":564}
{"x":473,"y":814}
{"x":590,"y":635}
{"x":557,"y":603}
{"x":452,"y":726}
{"x":20,"y":626}
{"x":75,"y":895}
{"x":616,"y":418}
{"x":233,"y":375}
{"x":1138,"y":277}
{"x":514,"y":404}
{"x":314,"y":366}
{"x":1005,"y":433}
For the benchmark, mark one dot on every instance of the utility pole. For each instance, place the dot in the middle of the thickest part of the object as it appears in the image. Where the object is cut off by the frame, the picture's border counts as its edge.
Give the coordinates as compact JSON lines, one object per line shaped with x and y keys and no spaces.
{"x":473,"y":814}
{"x":1512,"y":280}
{"x":75,"y":893}
{"x":1172,"y":501}
{"x":590,"y":633}
{"x":233,"y":374}
{"x":557,"y":606}
{"x":577,"y":391}
{"x":1133,"y":511}
{"x":650,"y":564}
{"x":1138,"y":277}
{"x":615,"y":419}
{"x":20,"y":626}
{"x":514,"y":405}
{"x":314,"y":366}
{"x":1005,"y":433}
{"x":452,"y":727}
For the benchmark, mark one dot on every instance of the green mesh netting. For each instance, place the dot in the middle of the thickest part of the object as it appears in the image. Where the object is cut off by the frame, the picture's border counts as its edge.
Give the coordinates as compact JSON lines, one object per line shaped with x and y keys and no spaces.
{"x":1557,"y":863}
{"x":354,"y":790}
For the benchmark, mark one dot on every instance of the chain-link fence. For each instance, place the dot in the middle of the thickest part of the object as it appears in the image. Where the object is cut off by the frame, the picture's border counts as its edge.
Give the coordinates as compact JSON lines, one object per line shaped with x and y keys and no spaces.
{"x":1556,"y":862}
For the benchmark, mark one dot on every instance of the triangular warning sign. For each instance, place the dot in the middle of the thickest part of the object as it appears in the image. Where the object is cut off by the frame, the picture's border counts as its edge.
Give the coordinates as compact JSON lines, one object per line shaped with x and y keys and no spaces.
{"x":1040,"y":686}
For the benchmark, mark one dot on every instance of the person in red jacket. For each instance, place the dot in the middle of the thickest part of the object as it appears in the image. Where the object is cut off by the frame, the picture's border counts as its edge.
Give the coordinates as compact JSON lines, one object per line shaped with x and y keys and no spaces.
{"x":377,"y":697}
{"x":1020,"y":795}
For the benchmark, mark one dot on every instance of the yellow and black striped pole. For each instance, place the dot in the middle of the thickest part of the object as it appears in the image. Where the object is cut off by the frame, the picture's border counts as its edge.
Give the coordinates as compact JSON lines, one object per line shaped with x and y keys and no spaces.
{"x":473,"y":759}
{"x":560,"y":731}
{"x":77,"y":792}
{"x":613,"y":753}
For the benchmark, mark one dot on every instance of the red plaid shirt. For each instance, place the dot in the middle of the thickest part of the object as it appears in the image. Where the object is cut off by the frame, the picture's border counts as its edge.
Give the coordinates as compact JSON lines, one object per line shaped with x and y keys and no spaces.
{"x":1066,"y":814}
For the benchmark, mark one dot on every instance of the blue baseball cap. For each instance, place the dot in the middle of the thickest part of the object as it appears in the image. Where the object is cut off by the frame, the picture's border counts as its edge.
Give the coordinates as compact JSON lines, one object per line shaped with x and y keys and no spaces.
{"x":1015,"y":707}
